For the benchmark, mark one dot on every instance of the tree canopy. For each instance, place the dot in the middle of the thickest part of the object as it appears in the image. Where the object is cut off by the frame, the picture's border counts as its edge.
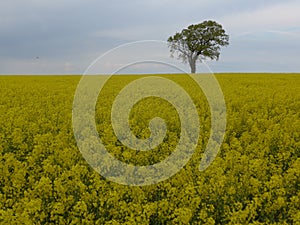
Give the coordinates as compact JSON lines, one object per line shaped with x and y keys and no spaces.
{"x":198,"y":42}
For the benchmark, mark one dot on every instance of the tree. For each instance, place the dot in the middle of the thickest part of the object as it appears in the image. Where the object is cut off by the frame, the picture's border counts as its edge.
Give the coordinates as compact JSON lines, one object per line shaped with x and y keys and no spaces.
{"x":198,"y":42}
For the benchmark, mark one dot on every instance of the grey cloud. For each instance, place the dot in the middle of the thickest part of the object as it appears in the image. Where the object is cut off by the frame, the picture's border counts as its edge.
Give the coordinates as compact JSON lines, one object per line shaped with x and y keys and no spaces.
{"x":75,"y":31}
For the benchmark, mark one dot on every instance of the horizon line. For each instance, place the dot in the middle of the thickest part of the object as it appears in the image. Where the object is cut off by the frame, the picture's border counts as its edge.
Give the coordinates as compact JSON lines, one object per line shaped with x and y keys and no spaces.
{"x":142,"y":74}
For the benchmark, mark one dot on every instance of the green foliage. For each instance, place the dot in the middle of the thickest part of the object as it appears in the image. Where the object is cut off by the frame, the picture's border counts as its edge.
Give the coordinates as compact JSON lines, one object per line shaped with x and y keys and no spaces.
{"x":255,"y":179}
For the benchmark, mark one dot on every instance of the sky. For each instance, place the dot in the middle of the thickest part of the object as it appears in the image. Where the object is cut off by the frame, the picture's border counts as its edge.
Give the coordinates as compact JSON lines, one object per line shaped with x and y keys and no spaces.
{"x":66,"y":36}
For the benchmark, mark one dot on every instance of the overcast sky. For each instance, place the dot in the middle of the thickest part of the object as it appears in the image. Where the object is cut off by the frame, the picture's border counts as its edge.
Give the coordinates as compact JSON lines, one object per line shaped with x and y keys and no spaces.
{"x":65,"y":36}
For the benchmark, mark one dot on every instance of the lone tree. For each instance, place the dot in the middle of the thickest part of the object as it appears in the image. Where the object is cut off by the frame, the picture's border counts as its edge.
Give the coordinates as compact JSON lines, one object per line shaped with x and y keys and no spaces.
{"x":198,"y":42}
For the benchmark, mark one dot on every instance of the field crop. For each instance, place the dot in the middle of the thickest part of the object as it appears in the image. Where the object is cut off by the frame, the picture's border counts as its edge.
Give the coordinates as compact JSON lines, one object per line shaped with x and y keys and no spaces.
{"x":255,"y":178}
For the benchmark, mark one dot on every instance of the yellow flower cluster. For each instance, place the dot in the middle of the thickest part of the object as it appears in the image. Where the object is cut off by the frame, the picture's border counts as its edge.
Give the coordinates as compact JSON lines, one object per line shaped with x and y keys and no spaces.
{"x":255,"y":178}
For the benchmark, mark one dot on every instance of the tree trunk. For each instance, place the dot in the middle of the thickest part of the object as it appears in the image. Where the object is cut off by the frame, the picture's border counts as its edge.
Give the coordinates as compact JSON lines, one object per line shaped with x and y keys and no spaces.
{"x":193,"y":67}
{"x":192,"y":62}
